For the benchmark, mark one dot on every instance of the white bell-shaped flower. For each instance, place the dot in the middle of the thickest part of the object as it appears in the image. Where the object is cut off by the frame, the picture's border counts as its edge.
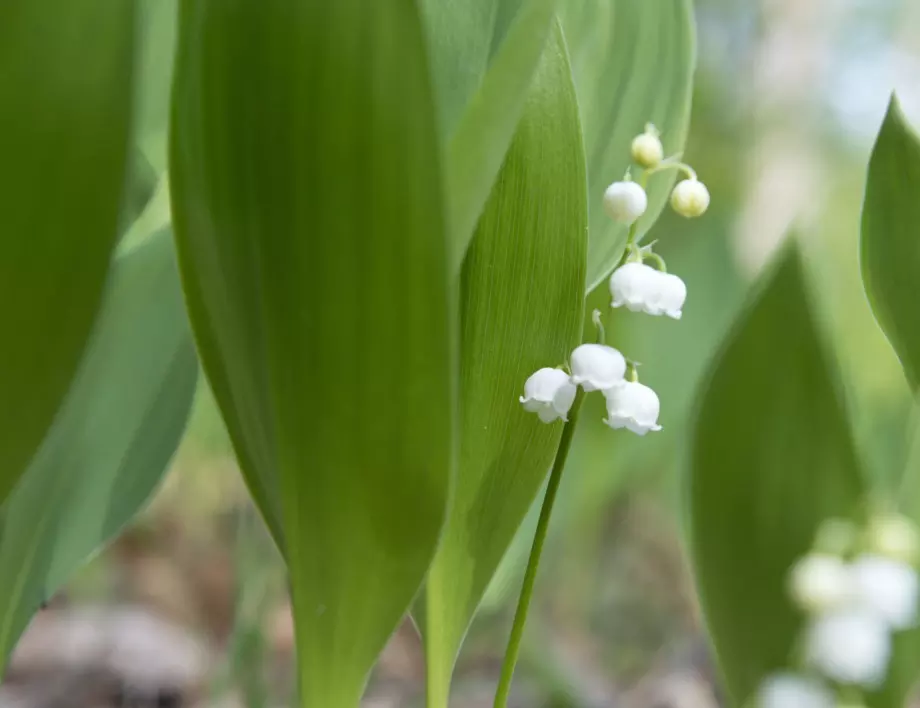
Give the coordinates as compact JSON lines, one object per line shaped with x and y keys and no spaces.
{"x":787,"y":690}
{"x":850,"y":646}
{"x":894,"y":536}
{"x":646,"y":148}
{"x":633,"y":406}
{"x":690,"y":198}
{"x":673,"y":294}
{"x":597,"y":367}
{"x":641,"y":288}
{"x":625,"y":201}
{"x":633,"y":285}
{"x":820,"y":582}
{"x":888,"y":588}
{"x":549,"y":393}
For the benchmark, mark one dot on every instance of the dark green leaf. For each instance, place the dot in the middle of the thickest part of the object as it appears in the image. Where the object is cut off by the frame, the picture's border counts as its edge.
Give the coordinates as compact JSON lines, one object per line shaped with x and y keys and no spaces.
{"x":111,"y":441}
{"x":890,"y":239}
{"x":521,"y":304}
{"x":65,"y":91}
{"x":772,"y":457}
{"x":308,"y":211}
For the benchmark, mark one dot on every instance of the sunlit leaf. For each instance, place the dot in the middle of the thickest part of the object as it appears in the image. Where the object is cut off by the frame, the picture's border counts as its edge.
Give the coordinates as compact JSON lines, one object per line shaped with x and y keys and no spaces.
{"x":890,"y":239}
{"x":521,"y":304}
{"x":772,"y":457}
{"x":65,"y":98}
{"x":633,"y":63}
{"x":308,"y":211}
{"x":111,"y":441}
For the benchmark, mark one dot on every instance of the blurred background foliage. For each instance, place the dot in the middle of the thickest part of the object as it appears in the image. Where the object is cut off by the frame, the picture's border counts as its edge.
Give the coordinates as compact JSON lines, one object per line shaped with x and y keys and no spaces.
{"x":787,"y":100}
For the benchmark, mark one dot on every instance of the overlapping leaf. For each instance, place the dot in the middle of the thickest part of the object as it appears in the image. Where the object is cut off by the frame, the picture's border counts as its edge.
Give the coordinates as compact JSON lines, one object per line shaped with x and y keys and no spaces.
{"x":521,"y":303}
{"x":308,"y":211}
{"x":772,"y":457}
{"x":65,"y":92}
{"x":633,"y":63}
{"x":111,"y":441}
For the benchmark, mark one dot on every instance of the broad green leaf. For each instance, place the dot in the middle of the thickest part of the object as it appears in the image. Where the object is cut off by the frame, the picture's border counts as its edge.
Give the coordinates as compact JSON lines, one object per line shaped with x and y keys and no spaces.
{"x":633,"y":63}
{"x":307,"y":204}
{"x":111,"y":441}
{"x":477,"y":147}
{"x":772,"y":457}
{"x":521,"y":304}
{"x":65,"y":99}
{"x":890,"y":238}
{"x":484,"y":54}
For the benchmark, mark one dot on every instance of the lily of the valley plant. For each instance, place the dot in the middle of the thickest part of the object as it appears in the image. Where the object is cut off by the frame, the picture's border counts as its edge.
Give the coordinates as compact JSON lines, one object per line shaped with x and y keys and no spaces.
{"x":556,"y":394}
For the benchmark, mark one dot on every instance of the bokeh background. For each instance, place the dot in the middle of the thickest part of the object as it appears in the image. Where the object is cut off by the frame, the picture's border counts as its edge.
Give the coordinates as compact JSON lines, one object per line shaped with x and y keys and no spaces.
{"x":189,"y":606}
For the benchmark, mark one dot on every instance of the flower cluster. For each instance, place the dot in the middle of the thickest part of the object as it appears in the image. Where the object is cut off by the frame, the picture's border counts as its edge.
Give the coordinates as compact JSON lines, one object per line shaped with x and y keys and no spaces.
{"x":595,"y":367}
{"x":626,"y":201}
{"x":551,"y":393}
{"x":856,"y":589}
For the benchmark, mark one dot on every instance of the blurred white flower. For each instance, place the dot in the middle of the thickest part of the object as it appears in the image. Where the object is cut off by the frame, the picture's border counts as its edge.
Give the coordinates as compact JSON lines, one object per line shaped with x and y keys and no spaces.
{"x":633,"y":406}
{"x":596,"y":367}
{"x":894,"y":536}
{"x":625,"y":201}
{"x":690,"y":198}
{"x":888,"y":588}
{"x":790,"y":691}
{"x":642,"y":288}
{"x":549,"y":393}
{"x":849,"y":646}
{"x":820,"y":582}
{"x":646,"y":148}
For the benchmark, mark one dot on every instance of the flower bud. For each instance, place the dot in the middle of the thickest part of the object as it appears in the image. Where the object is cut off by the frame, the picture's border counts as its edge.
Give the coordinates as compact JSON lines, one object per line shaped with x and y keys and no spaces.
{"x":820,"y":582}
{"x":894,"y":536}
{"x":633,"y":406}
{"x":647,"y":150}
{"x":690,"y":198}
{"x":549,"y":393}
{"x":625,"y":201}
{"x":597,"y":367}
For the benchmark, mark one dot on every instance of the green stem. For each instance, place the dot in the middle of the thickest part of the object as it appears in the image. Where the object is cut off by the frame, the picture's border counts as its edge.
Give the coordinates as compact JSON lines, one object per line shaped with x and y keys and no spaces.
{"x":657,"y":260}
{"x":672,"y":164}
{"x":520,"y":615}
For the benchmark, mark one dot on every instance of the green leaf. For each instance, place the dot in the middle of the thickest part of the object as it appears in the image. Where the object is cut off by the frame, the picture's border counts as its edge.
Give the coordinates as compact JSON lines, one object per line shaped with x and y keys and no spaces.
{"x":890,"y":238}
{"x":65,"y":89}
{"x":772,"y":457}
{"x":155,"y":65}
{"x":459,"y":36}
{"x":633,"y":63}
{"x":521,"y":307}
{"x":308,"y":212}
{"x":111,"y":441}
{"x":477,"y":147}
